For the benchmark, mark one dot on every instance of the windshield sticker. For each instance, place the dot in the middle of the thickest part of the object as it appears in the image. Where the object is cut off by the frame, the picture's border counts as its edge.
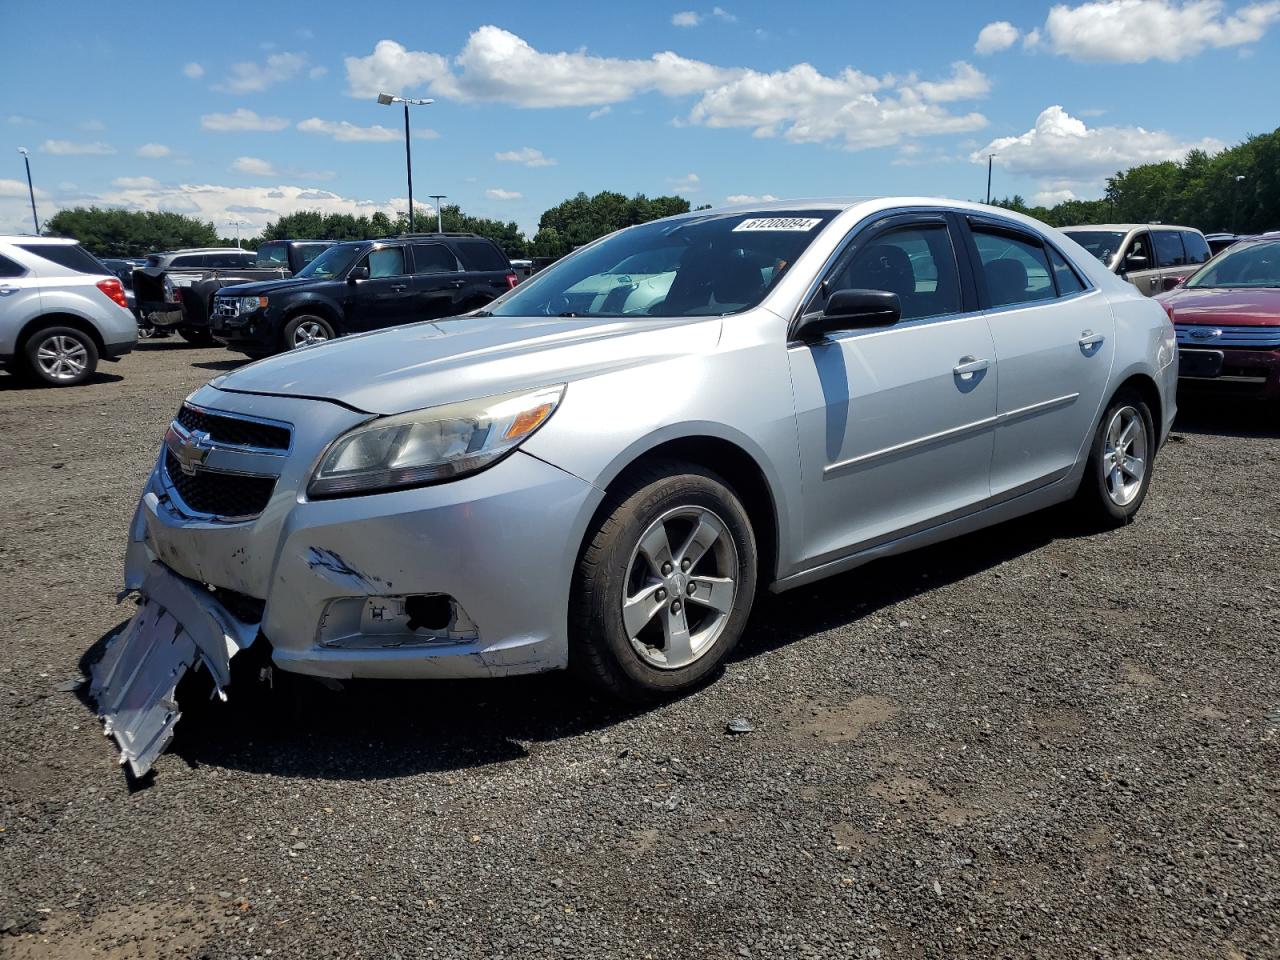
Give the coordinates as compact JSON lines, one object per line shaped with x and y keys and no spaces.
{"x":794,"y":224}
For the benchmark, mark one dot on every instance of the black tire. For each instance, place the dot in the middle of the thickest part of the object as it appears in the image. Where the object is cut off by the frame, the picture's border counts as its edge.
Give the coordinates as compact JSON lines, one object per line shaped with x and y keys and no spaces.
{"x":197,"y":336}
{"x":75,"y":345}
{"x":289,"y":335}
{"x":600,"y":650}
{"x":1095,"y":498}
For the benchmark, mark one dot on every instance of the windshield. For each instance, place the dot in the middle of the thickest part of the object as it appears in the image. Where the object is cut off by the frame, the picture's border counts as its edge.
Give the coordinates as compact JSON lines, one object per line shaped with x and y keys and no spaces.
{"x":1103,"y":244}
{"x":692,"y":266}
{"x":1244,"y":265}
{"x":334,"y":262}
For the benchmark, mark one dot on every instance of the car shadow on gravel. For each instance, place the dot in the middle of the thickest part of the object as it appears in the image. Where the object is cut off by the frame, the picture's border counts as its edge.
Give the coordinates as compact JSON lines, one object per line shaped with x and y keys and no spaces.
{"x":375,"y":729}
{"x":1226,"y":416}
{"x":12,"y":383}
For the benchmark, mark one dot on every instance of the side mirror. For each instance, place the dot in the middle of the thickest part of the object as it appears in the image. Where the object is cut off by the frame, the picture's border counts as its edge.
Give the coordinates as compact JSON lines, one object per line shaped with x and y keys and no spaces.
{"x":852,"y":310}
{"x":359,"y":273}
{"x":1168,"y":283}
{"x":1133,"y":262}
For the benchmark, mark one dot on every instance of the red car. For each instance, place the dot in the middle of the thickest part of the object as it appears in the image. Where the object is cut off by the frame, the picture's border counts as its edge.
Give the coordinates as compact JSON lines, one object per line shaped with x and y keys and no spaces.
{"x":1227,"y":315}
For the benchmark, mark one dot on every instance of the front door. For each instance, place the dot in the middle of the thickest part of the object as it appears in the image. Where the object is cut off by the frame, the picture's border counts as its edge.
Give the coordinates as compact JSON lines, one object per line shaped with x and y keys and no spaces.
{"x":1137,"y":264}
{"x":1054,"y":340}
{"x":895,"y":422}
{"x":386,"y":298}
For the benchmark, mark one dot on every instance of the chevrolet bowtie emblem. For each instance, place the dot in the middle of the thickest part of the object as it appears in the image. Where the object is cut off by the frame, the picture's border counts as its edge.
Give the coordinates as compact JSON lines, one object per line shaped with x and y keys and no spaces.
{"x":189,"y":449}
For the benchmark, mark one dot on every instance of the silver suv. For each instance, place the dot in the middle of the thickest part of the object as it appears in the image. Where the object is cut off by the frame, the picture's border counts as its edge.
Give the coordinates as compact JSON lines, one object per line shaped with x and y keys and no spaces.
{"x":1154,"y":257}
{"x":61,"y":311}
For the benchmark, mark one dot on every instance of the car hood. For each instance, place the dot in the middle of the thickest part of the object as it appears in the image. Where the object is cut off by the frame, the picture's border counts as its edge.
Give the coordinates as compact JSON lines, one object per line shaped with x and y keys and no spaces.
{"x":1228,"y":306}
{"x":262,"y":288}
{"x":424,"y":364}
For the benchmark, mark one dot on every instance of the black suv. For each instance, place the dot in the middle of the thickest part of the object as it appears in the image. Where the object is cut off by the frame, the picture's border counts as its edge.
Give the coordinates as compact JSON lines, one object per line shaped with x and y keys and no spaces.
{"x":363,"y":285}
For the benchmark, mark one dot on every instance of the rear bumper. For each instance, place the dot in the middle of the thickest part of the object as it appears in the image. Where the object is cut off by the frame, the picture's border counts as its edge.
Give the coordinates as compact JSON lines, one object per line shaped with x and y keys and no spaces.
{"x":162,"y":313}
{"x":1251,"y":373}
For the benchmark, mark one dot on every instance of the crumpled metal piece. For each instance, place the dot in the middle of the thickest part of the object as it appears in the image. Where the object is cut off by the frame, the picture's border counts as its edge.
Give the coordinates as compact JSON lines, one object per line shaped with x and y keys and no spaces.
{"x":179,"y":625}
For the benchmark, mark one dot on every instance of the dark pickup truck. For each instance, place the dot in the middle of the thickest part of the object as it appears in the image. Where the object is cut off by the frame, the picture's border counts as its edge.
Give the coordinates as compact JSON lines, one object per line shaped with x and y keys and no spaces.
{"x":175,"y":290}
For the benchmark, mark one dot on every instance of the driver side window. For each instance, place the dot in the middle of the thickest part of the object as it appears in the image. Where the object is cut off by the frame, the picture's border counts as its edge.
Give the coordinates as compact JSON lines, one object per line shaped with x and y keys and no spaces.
{"x":386,"y":262}
{"x":917,"y":263}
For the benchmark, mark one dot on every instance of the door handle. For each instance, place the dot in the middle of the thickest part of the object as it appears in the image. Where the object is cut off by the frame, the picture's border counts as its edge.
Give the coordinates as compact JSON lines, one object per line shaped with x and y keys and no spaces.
{"x":968,"y":366}
{"x":5,"y":291}
{"x":399,"y":287}
{"x":1090,"y":339}
{"x":456,"y":284}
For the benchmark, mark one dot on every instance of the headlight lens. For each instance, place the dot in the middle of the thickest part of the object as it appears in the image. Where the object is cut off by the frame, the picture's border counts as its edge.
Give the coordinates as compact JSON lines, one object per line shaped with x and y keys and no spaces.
{"x":250,"y":304}
{"x":431,"y":445}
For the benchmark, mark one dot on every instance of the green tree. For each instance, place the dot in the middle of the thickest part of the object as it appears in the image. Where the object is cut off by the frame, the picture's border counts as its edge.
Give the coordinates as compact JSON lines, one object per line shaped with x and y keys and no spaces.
{"x":130,"y":233}
{"x":581,"y":219}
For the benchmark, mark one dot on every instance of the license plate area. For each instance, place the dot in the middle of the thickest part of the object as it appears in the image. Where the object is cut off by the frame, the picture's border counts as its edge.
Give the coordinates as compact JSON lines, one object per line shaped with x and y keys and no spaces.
{"x":1200,"y":363}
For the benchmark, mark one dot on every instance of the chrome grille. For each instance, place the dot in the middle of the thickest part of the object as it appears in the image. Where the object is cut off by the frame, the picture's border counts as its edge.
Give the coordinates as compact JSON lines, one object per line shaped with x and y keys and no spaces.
{"x":212,"y":493}
{"x":234,"y":430}
{"x":1212,"y":337}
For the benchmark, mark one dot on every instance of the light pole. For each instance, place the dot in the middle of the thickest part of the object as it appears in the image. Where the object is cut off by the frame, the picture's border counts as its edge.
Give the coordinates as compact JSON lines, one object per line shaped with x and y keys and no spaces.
{"x":990,"y":157}
{"x":1235,"y":203}
{"x":437,"y":197}
{"x":387,"y":100}
{"x":26,"y":158}
{"x":237,"y":224}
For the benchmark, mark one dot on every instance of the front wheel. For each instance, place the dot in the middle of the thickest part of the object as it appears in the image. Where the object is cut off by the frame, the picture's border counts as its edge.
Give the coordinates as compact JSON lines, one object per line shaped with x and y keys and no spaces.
{"x":306,"y":330}
{"x":664,"y":585}
{"x":61,"y":356}
{"x":1119,"y":470}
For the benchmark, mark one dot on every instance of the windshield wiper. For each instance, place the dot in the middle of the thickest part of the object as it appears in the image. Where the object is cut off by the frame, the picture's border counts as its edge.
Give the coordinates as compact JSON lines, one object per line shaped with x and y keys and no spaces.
{"x":569,"y":313}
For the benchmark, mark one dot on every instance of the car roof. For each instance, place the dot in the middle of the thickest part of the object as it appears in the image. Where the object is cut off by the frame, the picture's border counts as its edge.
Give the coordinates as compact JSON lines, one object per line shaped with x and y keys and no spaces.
{"x":1126,"y":227}
{"x":186,"y":250}
{"x":32,"y":238}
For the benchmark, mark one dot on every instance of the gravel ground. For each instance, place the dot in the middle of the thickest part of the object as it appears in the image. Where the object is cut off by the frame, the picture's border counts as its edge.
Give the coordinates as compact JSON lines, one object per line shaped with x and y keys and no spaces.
{"x":1027,"y":742}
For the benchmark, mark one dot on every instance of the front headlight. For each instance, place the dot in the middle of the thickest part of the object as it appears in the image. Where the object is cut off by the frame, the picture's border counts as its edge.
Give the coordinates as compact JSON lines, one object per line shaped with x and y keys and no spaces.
{"x":431,"y":445}
{"x":250,"y":304}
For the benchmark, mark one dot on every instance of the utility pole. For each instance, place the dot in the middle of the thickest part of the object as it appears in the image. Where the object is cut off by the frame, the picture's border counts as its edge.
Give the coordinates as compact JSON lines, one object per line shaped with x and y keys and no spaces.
{"x":437,"y":197}
{"x":31,"y":190}
{"x":990,"y":157}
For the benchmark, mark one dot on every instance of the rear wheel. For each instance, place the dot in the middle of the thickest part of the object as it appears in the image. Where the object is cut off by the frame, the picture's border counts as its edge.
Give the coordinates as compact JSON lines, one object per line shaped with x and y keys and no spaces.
{"x":1119,"y":470}
{"x":60,"y":356}
{"x":664,"y":585}
{"x":305,"y":330}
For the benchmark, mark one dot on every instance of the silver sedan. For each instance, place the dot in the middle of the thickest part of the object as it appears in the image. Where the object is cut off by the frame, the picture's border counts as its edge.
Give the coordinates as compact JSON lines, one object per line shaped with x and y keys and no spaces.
{"x":601,"y":469}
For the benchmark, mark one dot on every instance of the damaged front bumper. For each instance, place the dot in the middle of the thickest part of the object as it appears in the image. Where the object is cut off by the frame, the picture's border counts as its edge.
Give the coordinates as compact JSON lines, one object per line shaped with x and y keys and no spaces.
{"x":179,"y":625}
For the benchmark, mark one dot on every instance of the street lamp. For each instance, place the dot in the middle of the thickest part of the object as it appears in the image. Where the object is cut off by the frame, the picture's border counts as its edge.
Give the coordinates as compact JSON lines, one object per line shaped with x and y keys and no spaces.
{"x":437,"y":197}
{"x":237,"y":224}
{"x":26,"y":158}
{"x":387,"y":100}
{"x":1235,"y":203}
{"x":990,"y":157}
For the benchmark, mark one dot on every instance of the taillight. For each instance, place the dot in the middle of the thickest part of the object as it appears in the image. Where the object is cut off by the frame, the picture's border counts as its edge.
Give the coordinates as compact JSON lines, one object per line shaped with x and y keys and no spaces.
{"x":512,"y":280}
{"x":114,"y":289}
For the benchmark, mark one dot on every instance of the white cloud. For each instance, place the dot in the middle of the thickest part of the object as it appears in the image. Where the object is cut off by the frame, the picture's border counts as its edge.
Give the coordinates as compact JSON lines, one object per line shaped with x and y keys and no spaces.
{"x":347,"y":132}
{"x":392,"y":69}
{"x":995,"y":37}
{"x":749,"y":198}
{"x":1063,"y":151}
{"x":193,"y":71}
{"x":1051,"y":198}
{"x":18,"y":188}
{"x":153,"y":151}
{"x":66,"y":148}
{"x":241,"y":119}
{"x":529,"y":156}
{"x":249,"y":77}
{"x":686,"y":18}
{"x":689,"y":183}
{"x":1135,"y":31}
{"x":597,"y":114}
{"x":17,"y":118}
{"x":253,"y":166}
{"x":497,"y":193}
{"x":863,"y":111}
{"x":720,"y":13}
{"x":315,"y":73}
{"x":136,"y":182}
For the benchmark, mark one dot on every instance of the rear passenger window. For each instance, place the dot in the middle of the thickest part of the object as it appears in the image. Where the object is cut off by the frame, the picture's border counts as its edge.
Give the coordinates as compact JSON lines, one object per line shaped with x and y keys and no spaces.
{"x":387,"y":262}
{"x":916,"y":263}
{"x":1168,"y":244}
{"x":225,"y":261}
{"x":1065,"y":275}
{"x":9,"y":268}
{"x":1016,"y":270}
{"x":433,"y":258}
{"x":189,"y":261}
{"x":481,"y":255}
{"x":72,"y":256}
{"x":1196,"y":246}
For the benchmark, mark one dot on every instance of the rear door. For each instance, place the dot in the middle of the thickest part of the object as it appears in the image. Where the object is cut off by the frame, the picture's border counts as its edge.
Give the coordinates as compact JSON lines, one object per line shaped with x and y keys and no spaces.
{"x":488,"y":271}
{"x":1171,"y":257}
{"x":1054,"y":342}
{"x":386,"y":298}
{"x":19,"y":300}
{"x":1138,"y":265}
{"x":895,"y":422}
{"x":439,"y":282}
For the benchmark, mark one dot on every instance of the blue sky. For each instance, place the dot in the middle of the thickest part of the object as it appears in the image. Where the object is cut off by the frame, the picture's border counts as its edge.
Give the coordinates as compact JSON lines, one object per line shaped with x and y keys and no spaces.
{"x":250,"y":110}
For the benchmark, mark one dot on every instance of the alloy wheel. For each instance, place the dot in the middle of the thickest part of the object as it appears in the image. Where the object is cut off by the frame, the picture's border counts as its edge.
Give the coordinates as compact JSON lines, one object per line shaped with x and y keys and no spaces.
{"x":62,"y":357}
{"x":309,"y":332}
{"x":680,"y":588}
{"x":1124,"y":455}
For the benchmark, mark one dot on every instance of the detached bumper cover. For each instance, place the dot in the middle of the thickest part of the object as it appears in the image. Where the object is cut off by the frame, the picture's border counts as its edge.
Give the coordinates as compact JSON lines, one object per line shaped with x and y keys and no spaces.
{"x":179,"y":625}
